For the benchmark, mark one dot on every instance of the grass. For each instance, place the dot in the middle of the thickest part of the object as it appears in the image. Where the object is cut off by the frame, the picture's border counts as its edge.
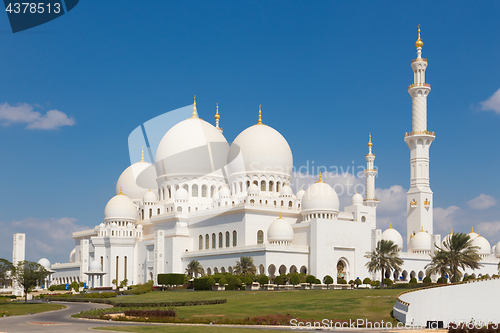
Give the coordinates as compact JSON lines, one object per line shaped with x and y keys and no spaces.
{"x":17,"y":309}
{"x":374,"y":305}
{"x":180,"y":329}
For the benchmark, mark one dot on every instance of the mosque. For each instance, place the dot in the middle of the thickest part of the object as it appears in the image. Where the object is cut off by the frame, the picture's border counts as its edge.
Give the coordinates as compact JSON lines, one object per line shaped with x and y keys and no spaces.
{"x":211,"y":201}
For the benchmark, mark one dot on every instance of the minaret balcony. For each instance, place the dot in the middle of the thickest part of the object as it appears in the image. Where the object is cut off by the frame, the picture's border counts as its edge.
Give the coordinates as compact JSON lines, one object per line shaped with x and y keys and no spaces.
{"x":420,"y":133}
{"x":418,"y":59}
{"x":419,"y":85}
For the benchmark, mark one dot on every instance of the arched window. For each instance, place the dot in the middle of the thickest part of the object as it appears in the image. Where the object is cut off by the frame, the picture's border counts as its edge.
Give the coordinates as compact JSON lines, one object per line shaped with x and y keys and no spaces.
{"x":150,"y":212}
{"x":213,"y":241}
{"x":277,"y":187}
{"x":220,"y":240}
{"x":290,"y":204}
{"x":363,"y":219}
{"x":207,"y":241}
{"x":212,"y":191}
{"x":158,"y":211}
{"x":256,"y":182}
{"x":179,"y":209}
{"x":271,"y":184}
{"x":235,"y":238}
{"x":201,"y":242}
{"x":186,"y":187}
{"x":204,"y":191}
{"x":241,"y":186}
{"x":263,"y":186}
{"x":195,"y":191}
{"x":260,"y":237}
{"x":227,"y":238}
{"x":248,"y":184}
{"x":142,"y":214}
{"x":169,"y":192}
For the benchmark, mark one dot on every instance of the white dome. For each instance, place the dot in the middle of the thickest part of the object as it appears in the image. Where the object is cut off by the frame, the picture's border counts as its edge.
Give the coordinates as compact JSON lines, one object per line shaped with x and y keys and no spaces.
{"x":224,"y":192}
{"x":150,"y":196}
{"x":72,"y":255}
{"x":472,"y":234}
{"x":181,"y":194}
{"x":445,"y":239}
{"x":421,"y":242}
{"x":286,"y":191}
{"x":253,"y":190}
{"x":300,"y":194}
{"x":280,"y":231}
{"x":260,"y":149}
{"x":95,"y":266}
{"x":193,"y":148}
{"x":320,"y":197}
{"x":139,"y":227}
{"x":120,"y":207}
{"x":45,"y":263}
{"x":136,"y":180}
{"x":102,"y":225}
{"x":357,"y":199}
{"x":483,"y":244}
{"x":394,"y":236}
{"x":497,"y":250}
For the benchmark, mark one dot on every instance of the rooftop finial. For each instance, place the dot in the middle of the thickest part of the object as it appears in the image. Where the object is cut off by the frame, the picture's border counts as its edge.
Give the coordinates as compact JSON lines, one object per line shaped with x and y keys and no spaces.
{"x":472,"y":229}
{"x":195,"y":113}
{"x":320,"y":179}
{"x":280,"y":215}
{"x":260,"y":115}
{"x":390,"y":225}
{"x":121,"y":193}
{"x":217,"y":116}
{"x":142,"y":154}
{"x":419,"y":42}
{"x":451,"y":233}
{"x":422,"y":228}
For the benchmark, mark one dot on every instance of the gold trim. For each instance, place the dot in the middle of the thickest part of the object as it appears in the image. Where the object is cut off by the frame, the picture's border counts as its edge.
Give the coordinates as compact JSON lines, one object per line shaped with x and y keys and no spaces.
{"x":260,"y":115}
{"x":121,"y":193}
{"x":195,"y":111}
{"x":142,"y":154}
{"x":320,"y":180}
{"x":419,"y":42}
{"x":217,"y":116}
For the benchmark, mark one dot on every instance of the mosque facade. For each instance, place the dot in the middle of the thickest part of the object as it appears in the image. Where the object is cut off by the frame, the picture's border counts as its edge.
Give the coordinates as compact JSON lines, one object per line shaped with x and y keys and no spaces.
{"x":213,"y":202}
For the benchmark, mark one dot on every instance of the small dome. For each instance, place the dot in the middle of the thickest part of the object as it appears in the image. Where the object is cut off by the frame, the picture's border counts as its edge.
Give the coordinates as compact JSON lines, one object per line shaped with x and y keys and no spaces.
{"x":113,"y":224}
{"x":150,"y":196}
{"x":472,"y":234}
{"x":95,"y":266}
{"x":253,"y":190}
{"x":224,"y":192}
{"x":421,"y":242}
{"x":120,"y":207}
{"x":357,"y":199}
{"x":320,"y":197}
{"x":300,"y":194}
{"x":394,"y":236}
{"x":483,"y":244}
{"x":72,"y":255}
{"x":181,"y":194}
{"x":280,"y":231}
{"x":139,"y":227}
{"x":286,"y":191}
{"x":497,"y":250}
{"x":135,"y":181}
{"x":445,"y":240}
{"x":102,"y":225}
{"x":45,"y":263}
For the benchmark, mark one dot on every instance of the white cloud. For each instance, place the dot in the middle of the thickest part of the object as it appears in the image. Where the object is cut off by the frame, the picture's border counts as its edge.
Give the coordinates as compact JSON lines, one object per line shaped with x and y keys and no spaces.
{"x":492,"y":103}
{"x":483,"y":201}
{"x":24,"y":113}
{"x":50,"y":238}
{"x":446,"y":218}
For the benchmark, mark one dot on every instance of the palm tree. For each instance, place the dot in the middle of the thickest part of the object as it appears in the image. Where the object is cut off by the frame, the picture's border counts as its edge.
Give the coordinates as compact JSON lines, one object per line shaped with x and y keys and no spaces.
{"x":438,"y":265}
{"x":245,"y":266}
{"x":194,"y":268}
{"x":384,"y":257}
{"x":460,"y":253}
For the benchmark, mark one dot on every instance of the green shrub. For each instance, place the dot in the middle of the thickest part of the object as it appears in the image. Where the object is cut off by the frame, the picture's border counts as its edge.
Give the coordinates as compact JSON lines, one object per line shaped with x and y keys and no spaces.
{"x":201,"y":284}
{"x":357,"y":282}
{"x":263,"y":279}
{"x":310,"y":279}
{"x":375,"y":283}
{"x":246,"y":280}
{"x":427,"y":279}
{"x":388,"y":282}
{"x":351,"y":281}
{"x":280,"y":279}
{"x":294,"y":279}
{"x":341,"y":281}
{"x":233,"y":282}
{"x":211,"y":281}
{"x":442,"y":279}
{"x":494,"y":276}
{"x":328,"y":280}
{"x":171,"y":279}
{"x":412,"y":280}
{"x":317,"y":281}
{"x":366,"y":280}
{"x":222,"y":281}
{"x":57,"y":287}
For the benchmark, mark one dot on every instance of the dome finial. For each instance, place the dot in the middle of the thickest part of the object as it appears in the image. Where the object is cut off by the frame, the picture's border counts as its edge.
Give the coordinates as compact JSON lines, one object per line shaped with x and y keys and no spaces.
{"x":121,"y":193}
{"x":390,"y":225}
{"x":280,"y":215}
{"x":422,"y":228}
{"x":419,"y":42}
{"x":479,"y":233}
{"x":217,"y":116}
{"x":142,"y":154}
{"x":260,"y":115}
{"x":472,"y":229}
{"x":451,"y":233}
{"x":195,"y":113}
{"x":320,"y":180}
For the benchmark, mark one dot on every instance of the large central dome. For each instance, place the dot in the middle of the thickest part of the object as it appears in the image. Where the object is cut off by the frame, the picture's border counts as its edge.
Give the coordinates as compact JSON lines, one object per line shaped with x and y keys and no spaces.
{"x":192,"y":148}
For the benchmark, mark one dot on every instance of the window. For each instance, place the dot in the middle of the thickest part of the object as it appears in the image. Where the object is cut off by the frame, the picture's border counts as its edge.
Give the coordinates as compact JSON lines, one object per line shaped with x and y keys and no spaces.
{"x":186,"y":187}
{"x":220,"y":240}
{"x":263,"y":186}
{"x":213,"y":241}
{"x":195,"y":190}
{"x":201,"y":242}
{"x":260,"y":237}
{"x":256,"y":182}
{"x":179,"y":209}
{"x":241,"y":187}
{"x":158,"y":211}
{"x":235,"y":239}
{"x":150,"y":212}
{"x":204,"y":191}
{"x":271,"y":186}
{"x":212,"y":191}
{"x":248,"y":184}
{"x":227,"y":238}
{"x":207,"y":241}
{"x":277,"y":187}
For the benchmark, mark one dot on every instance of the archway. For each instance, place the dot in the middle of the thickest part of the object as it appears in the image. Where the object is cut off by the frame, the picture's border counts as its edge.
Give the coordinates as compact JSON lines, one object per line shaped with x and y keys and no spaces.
{"x":342,"y":269}
{"x":262,"y":269}
{"x":271,"y":270}
{"x":230,"y":270}
{"x":282,"y":269}
{"x":412,"y":274}
{"x":303,"y":270}
{"x":209,"y":271}
{"x":421,"y":276}
{"x":405,"y":276}
{"x":293,"y":269}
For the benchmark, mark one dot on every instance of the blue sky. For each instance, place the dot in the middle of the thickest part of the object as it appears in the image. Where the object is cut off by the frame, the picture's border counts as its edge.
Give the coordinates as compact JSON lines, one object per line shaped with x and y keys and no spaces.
{"x":326,"y":73}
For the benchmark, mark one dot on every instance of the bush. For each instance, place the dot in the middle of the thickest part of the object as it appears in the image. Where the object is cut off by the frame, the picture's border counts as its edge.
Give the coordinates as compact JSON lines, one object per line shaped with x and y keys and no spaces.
{"x":351,"y":281}
{"x":442,"y":279}
{"x":222,"y":281}
{"x":310,"y":279}
{"x":427,"y":279}
{"x":412,"y":280}
{"x":263,"y":279}
{"x":139,"y":289}
{"x":375,"y":283}
{"x":150,"y":313}
{"x":388,"y":282}
{"x":366,"y":281}
{"x":280,"y":279}
{"x":233,"y":282}
{"x":201,"y":284}
{"x":357,"y":282}
{"x":246,"y":280}
{"x":327,"y":279}
{"x":341,"y":281}
{"x":294,"y":279}
{"x":317,"y":281}
{"x":171,"y":279}
{"x":211,"y":281}
{"x":57,"y":287}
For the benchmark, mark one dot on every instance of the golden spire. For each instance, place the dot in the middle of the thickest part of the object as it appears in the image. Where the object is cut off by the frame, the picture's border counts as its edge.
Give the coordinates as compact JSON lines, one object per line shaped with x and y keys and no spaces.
{"x":390,"y":225}
{"x":121,"y":193}
{"x":217,"y":117}
{"x":472,"y":229}
{"x":451,"y":233}
{"x":370,"y":141}
{"x":142,"y":154}
{"x":320,"y":180}
{"x":260,"y":115}
{"x":419,"y":42}
{"x":479,"y":233}
{"x":422,"y":228}
{"x":195,"y":113}
{"x":280,"y":215}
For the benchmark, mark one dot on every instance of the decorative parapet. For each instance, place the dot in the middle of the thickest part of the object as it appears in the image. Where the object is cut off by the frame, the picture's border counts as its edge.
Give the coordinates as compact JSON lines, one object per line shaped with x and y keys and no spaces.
{"x":418,"y":59}
{"x":420,"y":133}
{"x":419,"y":85}
{"x":427,"y":203}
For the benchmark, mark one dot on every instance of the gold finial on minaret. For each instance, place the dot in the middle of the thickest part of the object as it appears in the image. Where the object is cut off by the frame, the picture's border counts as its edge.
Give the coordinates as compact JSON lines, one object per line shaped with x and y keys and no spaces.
{"x":217,"y":116}
{"x":142,"y":154}
{"x":472,"y":229}
{"x":390,"y":225}
{"x":419,"y":42}
{"x":195,"y":112}
{"x":451,"y":233}
{"x":121,"y":193}
{"x":370,"y":144}
{"x":260,"y":115}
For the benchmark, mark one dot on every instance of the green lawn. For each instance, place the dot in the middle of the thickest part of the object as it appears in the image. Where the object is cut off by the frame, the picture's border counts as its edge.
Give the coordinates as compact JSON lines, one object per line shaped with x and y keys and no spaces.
{"x":305,"y":304}
{"x":181,"y":329}
{"x":16,"y":309}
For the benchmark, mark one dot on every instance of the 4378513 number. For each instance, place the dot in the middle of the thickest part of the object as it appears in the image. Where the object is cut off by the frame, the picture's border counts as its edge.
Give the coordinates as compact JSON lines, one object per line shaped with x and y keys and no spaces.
{"x":33,"y":7}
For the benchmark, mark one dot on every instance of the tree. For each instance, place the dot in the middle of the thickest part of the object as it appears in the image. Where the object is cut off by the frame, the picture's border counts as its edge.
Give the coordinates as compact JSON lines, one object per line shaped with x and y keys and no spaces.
{"x":366,"y":280}
{"x":124,"y":283}
{"x":194,"y":268}
{"x":115,"y":282}
{"x":294,"y":278}
{"x":459,"y":253}
{"x":28,"y":275}
{"x":263,"y":279}
{"x":245,"y":266}
{"x":438,"y":265}
{"x":327,"y":280}
{"x":5,"y":271}
{"x":385,"y":257}
{"x":310,"y":279}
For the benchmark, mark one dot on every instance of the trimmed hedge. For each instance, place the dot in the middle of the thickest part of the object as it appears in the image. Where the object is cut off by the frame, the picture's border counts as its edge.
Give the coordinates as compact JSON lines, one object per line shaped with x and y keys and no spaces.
{"x":137,"y":305}
{"x":171,"y":279}
{"x":203,"y":283}
{"x":150,"y":313}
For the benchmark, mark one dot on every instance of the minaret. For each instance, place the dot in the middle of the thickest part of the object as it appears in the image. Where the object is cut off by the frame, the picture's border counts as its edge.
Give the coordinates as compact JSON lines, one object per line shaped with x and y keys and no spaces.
{"x":217,"y":118}
{"x":370,"y":174}
{"x":419,"y":196}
